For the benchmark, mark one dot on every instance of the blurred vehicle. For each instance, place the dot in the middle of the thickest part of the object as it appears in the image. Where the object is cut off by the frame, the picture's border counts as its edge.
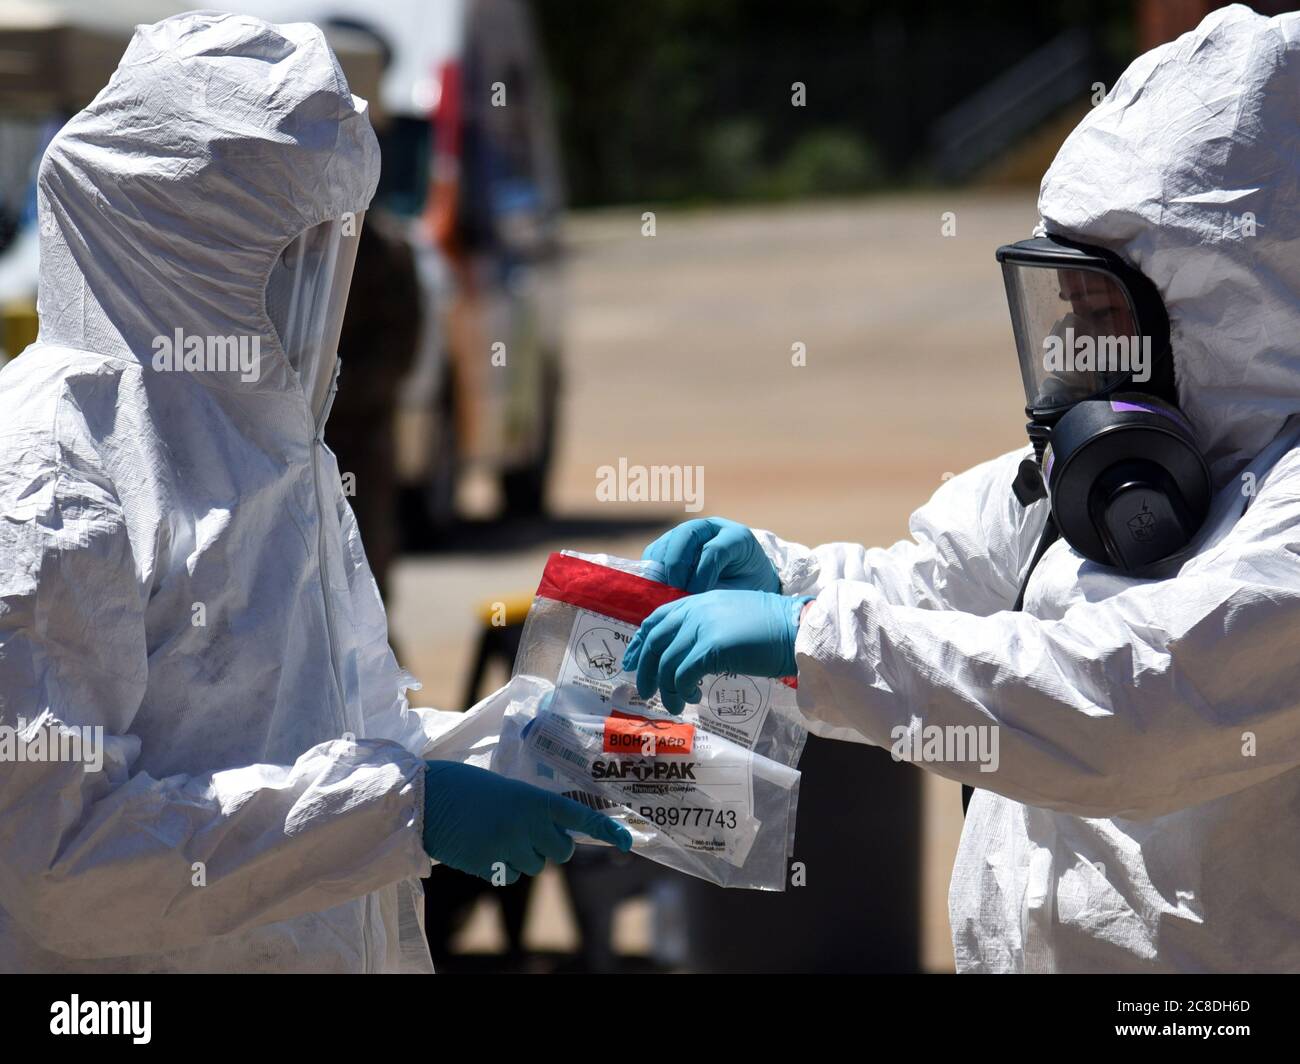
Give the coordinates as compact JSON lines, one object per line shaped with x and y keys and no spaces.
{"x":470,"y":162}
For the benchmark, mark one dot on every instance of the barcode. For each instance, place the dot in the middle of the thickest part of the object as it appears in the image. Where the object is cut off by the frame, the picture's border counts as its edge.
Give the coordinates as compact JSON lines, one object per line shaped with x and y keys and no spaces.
{"x":591,"y":801}
{"x":544,"y":742}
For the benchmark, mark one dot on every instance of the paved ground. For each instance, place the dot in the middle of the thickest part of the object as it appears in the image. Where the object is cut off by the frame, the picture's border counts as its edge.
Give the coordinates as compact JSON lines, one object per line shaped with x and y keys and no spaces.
{"x":680,"y":353}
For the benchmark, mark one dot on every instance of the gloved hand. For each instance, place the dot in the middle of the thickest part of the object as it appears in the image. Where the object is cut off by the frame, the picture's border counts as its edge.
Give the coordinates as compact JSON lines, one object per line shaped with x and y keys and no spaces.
{"x":719,"y":631}
{"x":474,"y":818}
{"x":712,"y":552}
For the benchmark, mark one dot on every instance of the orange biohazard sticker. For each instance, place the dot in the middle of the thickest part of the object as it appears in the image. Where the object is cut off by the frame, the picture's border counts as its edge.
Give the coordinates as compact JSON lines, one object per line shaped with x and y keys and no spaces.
{"x":628,"y":734}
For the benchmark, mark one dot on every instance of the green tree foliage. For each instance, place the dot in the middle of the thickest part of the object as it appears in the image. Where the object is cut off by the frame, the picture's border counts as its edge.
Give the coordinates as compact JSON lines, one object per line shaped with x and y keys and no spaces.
{"x":681,"y":100}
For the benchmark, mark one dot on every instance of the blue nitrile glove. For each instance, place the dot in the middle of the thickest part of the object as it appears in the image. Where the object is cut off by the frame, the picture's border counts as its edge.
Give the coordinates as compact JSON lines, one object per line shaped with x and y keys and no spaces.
{"x":719,"y":631}
{"x":712,"y":552}
{"x":474,"y":819}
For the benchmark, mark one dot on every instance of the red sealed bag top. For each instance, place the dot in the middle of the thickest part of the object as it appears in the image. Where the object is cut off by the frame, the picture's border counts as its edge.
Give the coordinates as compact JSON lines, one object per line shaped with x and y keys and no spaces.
{"x":586,"y":610}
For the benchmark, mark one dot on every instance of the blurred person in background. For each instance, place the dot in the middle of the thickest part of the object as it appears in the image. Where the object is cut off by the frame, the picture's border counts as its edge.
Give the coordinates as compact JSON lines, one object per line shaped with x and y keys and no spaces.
{"x":1119,"y":608}
{"x":377,"y":347}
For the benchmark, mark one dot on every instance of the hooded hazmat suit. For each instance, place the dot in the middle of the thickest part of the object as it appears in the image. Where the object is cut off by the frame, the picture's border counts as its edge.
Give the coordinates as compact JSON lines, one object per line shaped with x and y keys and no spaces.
{"x":178,"y":565}
{"x":1145,"y":810}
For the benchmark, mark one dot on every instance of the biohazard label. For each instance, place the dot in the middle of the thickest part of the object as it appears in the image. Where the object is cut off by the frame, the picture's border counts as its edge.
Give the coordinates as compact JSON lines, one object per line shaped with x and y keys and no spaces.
{"x":628,"y":734}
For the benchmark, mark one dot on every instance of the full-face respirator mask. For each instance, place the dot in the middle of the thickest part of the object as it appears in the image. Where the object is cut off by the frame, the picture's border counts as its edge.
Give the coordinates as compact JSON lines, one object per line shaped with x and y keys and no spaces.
{"x":1118,"y":461}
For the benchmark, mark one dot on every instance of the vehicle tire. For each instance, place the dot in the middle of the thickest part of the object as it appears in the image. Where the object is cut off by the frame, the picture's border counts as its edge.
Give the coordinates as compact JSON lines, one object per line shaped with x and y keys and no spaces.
{"x":524,"y":487}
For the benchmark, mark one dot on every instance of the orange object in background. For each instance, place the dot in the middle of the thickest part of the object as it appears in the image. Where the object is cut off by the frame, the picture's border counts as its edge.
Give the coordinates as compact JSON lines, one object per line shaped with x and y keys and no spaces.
{"x":1159,"y":21}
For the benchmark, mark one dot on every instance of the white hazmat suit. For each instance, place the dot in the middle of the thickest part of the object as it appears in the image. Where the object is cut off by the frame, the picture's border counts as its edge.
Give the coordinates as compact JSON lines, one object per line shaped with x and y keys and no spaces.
{"x":1145,"y":811}
{"x":178,"y":565}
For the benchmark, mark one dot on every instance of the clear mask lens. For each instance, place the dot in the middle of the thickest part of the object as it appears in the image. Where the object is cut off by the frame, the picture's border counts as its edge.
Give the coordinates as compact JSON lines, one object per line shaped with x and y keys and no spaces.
{"x":306,"y":297}
{"x":1076,"y":333}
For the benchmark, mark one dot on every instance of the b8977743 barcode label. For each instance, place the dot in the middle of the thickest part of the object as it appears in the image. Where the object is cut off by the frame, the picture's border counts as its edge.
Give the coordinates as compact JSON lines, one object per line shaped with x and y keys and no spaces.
{"x":700,"y":800}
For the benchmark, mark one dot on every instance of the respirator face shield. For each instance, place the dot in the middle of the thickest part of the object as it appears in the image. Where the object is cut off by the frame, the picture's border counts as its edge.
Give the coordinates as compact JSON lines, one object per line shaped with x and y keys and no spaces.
{"x":1085,"y":323}
{"x":306,"y":297}
{"x":1118,"y":461}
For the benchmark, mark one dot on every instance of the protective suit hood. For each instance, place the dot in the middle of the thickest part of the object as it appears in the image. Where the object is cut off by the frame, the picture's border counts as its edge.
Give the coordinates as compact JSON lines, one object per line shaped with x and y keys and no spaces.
{"x":165,"y":204}
{"x":1190,"y":170}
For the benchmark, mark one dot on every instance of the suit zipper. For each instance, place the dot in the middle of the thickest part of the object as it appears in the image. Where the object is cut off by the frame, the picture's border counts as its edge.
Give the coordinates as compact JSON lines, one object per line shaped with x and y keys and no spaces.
{"x":318,"y":441}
